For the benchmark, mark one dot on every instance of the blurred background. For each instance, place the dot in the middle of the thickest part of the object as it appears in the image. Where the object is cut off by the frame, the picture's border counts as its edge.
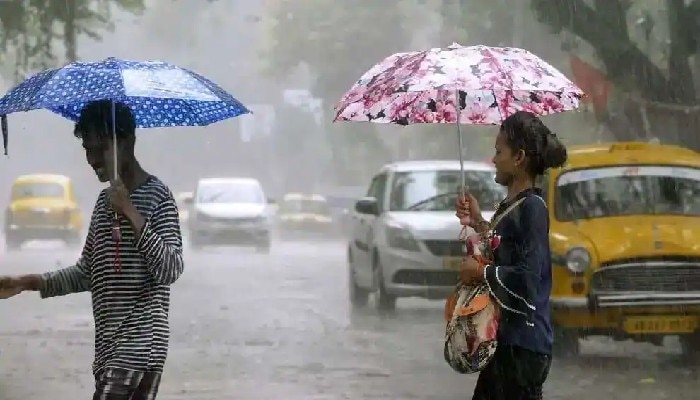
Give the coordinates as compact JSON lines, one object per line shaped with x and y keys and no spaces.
{"x":290,"y":61}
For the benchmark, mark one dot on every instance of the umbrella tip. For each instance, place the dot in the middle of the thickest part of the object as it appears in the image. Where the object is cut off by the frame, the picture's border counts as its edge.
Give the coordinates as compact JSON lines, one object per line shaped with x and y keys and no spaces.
{"x":3,"y":122}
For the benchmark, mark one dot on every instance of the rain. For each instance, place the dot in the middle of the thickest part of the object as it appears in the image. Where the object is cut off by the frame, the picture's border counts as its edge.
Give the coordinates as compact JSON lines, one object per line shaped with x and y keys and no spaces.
{"x":281,"y":311}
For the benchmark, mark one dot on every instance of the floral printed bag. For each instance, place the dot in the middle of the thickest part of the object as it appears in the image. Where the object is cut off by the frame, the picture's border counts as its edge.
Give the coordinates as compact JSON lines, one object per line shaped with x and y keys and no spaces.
{"x":473,"y":317}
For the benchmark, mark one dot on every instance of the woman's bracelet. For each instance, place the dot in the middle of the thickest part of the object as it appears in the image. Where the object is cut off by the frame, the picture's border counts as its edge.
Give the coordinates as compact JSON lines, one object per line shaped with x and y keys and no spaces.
{"x":483,"y":223}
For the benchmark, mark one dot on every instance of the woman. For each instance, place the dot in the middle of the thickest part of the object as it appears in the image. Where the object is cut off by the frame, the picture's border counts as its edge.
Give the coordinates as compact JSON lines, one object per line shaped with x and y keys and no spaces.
{"x":519,"y":278}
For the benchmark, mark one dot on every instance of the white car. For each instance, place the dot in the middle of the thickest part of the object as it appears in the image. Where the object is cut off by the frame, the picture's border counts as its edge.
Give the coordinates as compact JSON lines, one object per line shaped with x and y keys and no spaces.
{"x":230,"y":211}
{"x":405,"y":233}
{"x":183,"y":199}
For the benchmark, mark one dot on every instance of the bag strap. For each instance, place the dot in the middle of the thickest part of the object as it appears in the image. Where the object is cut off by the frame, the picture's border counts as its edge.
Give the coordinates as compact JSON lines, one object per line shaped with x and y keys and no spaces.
{"x":494,"y":222}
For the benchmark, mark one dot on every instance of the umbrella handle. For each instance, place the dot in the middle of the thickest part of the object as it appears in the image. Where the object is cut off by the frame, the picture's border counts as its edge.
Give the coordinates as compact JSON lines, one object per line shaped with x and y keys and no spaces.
{"x":461,"y":144}
{"x":115,"y":169}
{"x":114,"y":141}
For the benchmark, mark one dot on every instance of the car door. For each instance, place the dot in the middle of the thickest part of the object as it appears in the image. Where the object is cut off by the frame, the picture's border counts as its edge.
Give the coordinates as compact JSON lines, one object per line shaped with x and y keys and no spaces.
{"x":364,"y":232}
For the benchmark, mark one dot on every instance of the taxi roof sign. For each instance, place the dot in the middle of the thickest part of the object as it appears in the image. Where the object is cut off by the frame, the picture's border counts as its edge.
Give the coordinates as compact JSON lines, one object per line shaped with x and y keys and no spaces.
{"x":631,"y":146}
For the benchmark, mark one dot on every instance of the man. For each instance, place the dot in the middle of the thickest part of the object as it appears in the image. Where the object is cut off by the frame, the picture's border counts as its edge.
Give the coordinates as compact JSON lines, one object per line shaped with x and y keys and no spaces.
{"x":132,"y":253}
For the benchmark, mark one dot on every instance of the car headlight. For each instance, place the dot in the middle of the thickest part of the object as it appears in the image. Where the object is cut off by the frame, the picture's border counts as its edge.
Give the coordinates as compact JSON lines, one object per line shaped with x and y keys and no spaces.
{"x":578,"y":260}
{"x":401,"y":238}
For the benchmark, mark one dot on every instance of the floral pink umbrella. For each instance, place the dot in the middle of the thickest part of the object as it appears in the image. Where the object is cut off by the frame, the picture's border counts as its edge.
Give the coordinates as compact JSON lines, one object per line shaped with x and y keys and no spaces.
{"x":488,"y":83}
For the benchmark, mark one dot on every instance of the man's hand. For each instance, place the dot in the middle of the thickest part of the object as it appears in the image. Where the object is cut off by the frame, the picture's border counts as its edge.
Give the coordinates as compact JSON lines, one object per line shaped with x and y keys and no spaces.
{"x":119,"y":198}
{"x":12,"y":285}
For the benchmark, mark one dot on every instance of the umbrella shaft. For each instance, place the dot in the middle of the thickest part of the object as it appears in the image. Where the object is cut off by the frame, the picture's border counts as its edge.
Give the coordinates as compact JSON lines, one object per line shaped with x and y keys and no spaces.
{"x":461,"y":145}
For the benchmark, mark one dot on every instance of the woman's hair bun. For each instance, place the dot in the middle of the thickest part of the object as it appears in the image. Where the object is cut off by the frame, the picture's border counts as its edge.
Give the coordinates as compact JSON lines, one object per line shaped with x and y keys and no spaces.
{"x":554,"y":154}
{"x":525,"y":131}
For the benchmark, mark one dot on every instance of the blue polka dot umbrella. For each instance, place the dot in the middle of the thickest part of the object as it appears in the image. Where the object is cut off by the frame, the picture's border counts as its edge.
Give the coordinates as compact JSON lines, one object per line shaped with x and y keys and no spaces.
{"x":159,"y":94}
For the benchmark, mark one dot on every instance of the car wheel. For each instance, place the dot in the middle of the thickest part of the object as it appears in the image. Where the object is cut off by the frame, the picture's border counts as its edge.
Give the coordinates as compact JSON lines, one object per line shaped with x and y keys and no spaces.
{"x":566,"y":343}
{"x":384,"y":301}
{"x":358,"y":295}
{"x":12,"y":244}
{"x":690,"y":345}
{"x":72,"y":240}
{"x":264,"y":248}
{"x":265,"y":245}
{"x":195,"y":244}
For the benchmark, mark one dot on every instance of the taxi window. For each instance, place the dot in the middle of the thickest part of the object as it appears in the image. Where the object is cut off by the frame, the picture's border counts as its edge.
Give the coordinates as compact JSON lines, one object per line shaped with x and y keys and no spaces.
{"x":37,"y":189}
{"x":627,"y":190}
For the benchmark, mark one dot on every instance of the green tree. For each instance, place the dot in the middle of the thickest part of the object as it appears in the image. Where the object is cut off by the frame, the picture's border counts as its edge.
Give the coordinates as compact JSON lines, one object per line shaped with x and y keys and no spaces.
{"x":29,"y":29}
{"x":660,"y":93}
{"x":338,"y":44}
{"x":488,"y":22}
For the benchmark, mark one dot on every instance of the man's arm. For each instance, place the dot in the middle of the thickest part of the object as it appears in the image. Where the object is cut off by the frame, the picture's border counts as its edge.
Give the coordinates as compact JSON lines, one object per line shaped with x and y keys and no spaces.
{"x":73,"y":279}
{"x":160,"y":241}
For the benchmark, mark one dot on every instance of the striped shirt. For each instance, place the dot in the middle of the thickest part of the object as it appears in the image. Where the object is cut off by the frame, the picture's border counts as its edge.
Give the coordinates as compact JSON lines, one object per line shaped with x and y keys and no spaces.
{"x":130,"y":306}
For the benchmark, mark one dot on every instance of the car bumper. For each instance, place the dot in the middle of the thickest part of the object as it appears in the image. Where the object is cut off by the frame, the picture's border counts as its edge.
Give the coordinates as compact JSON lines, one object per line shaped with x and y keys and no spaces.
{"x":627,"y":300}
{"x":306,"y":230}
{"x":252,"y":234}
{"x":655,"y":314}
{"x":416,"y":274}
{"x":25,"y":232}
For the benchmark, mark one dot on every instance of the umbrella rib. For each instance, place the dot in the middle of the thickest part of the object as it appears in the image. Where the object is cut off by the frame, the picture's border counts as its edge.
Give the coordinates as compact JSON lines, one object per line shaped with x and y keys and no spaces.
{"x":38,"y":88}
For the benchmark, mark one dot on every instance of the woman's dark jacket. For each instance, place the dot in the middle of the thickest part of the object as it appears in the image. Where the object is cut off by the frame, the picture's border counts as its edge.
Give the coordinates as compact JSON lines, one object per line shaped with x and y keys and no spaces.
{"x":520,"y":278}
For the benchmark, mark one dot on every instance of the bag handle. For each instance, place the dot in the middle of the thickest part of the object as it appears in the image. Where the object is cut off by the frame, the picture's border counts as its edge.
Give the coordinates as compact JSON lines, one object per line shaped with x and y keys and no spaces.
{"x":494,"y":222}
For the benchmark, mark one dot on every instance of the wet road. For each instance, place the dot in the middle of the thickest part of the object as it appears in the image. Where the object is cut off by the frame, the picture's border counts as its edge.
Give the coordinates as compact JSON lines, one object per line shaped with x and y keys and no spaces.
{"x":256,"y":327}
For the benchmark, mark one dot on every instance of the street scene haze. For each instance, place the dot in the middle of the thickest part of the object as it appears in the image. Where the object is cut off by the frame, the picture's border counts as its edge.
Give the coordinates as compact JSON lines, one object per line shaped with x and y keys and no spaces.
{"x":318,"y":254}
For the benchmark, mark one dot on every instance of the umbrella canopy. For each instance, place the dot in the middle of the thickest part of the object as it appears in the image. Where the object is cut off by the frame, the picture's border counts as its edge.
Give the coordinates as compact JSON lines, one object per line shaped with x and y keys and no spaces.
{"x":159,"y":94}
{"x":488,"y":84}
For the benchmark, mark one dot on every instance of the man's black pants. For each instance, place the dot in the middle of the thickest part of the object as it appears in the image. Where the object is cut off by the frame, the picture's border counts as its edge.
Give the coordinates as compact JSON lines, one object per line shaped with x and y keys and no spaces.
{"x":122,"y":384}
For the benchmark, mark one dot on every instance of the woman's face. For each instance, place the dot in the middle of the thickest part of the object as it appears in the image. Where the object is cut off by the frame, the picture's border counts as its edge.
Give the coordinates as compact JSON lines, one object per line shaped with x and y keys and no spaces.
{"x":505,"y":161}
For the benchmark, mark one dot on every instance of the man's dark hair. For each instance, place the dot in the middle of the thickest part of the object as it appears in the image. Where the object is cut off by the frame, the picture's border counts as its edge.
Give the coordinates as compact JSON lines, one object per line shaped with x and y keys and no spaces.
{"x":525,"y":131}
{"x":96,"y":118}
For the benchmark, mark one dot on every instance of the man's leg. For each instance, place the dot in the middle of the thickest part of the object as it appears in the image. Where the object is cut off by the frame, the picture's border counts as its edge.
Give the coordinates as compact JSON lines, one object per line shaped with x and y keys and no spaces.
{"x":148,"y":387}
{"x":121,"y":384}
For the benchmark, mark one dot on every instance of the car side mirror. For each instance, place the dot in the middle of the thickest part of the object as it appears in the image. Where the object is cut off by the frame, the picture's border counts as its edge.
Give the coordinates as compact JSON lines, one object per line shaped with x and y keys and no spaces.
{"x":367,"y":205}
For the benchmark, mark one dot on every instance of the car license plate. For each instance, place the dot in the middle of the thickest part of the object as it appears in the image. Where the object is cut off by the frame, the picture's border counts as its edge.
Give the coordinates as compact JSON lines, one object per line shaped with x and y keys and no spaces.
{"x":660,"y":324}
{"x":452,"y":263}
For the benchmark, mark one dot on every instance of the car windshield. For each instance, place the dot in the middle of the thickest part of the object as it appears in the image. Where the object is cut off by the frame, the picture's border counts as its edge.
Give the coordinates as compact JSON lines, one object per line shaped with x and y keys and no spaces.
{"x":628,"y":190}
{"x":39,"y":189}
{"x":438,"y":190}
{"x":307,"y":206}
{"x":230,"y":192}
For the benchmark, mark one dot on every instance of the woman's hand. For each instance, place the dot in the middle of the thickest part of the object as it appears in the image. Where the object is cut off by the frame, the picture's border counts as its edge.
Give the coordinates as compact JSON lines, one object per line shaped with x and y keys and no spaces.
{"x":468,"y":211}
{"x":472,"y":270}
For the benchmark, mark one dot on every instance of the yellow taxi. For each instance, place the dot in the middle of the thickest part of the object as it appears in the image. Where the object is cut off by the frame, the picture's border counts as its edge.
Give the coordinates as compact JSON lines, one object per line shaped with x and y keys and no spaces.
{"x":42,"y":206}
{"x":625,"y":239}
{"x":302,"y":214}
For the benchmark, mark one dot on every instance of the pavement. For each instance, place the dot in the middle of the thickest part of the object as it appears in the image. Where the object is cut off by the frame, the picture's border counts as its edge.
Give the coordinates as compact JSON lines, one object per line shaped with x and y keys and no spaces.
{"x":264,"y":327}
